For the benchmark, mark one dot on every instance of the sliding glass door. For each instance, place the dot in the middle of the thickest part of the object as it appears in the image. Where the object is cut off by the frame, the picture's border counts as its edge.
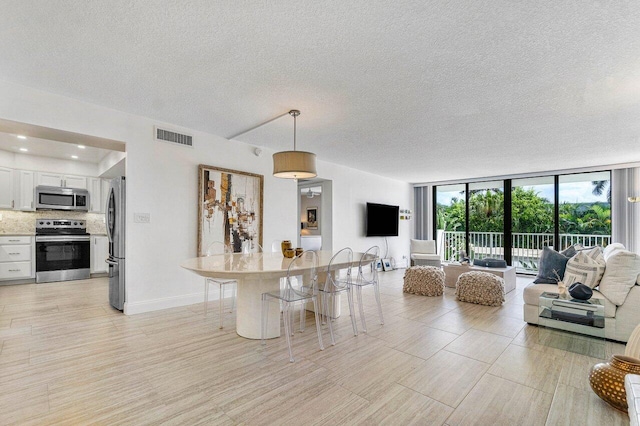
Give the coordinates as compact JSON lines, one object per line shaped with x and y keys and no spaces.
{"x":486,"y":220}
{"x":555,"y":211}
{"x":532,"y":220}
{"x":585,"y":209}
{"x":451,"y":220}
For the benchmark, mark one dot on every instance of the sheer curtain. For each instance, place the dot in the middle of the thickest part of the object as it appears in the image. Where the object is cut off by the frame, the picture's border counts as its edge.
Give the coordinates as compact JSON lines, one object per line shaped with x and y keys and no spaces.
{"x":625,"y":216}
{"x":423,"y":212}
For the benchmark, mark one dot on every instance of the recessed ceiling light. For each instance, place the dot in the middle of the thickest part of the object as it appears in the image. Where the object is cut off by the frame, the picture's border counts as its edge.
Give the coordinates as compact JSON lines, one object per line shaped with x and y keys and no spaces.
{"x":21,"y":137}
{"x":24,"y":150}
{"x":81,"y":146}
{"x":75,"y":157}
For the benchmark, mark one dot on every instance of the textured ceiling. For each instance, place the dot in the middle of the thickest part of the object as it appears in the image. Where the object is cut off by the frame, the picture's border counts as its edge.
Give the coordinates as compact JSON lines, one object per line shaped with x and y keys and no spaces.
{"x":413,"y":90}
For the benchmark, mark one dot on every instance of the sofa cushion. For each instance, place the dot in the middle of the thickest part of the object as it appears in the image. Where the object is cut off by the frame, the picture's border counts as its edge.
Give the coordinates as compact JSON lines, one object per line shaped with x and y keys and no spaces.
{"x":620,"y":275}
{"x":532,"y":294}
{"x":423,"y":246}
{"x":610,"y":249}
{"x":490,"y":263}
{"x":425,"y":256}
{"x":551,"y":263}
{"x":586,"y":267}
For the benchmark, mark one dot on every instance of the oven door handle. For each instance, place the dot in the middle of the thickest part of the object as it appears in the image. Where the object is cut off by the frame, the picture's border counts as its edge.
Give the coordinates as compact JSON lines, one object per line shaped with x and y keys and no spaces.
{"x":62,"y":238}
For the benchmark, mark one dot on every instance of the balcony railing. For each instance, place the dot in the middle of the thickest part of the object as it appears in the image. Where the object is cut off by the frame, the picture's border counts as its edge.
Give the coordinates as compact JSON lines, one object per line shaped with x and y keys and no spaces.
{"x":526,"y":247}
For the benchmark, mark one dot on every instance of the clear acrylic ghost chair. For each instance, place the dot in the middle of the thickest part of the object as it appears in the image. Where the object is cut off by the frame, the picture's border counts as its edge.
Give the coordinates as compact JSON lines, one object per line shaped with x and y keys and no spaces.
{"x":276,"y":246}
{"x":301,"y":287}
{"x":218,"y":248}
{"x":335,"y":284}
{"x":368,"y":275}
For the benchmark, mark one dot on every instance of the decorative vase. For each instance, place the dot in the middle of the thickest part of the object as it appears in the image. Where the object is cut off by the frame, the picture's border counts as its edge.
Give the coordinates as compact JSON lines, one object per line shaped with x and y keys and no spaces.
{"x":299,"y":251}
{"x":607,"y":379}
{"x":286,"y":244}
{"x":290,"y":253}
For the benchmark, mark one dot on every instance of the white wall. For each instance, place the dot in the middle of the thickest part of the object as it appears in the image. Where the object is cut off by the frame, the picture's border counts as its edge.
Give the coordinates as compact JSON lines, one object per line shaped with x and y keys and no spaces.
{"x":352,"y":189}
{"x":162,"y":180}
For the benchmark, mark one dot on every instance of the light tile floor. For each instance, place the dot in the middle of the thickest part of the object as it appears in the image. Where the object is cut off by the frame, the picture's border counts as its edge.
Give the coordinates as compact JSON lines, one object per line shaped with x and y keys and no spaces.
{"x":66,"y":357}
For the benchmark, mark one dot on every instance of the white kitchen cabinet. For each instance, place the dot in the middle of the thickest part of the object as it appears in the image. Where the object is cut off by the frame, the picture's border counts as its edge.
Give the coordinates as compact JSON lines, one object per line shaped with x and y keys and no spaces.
{"x":75,"y":181}
{"x":99,"y":252}
{"x":24,"y":186}
{"x":49,"y":179}
{"x":56,"y":179}
{"x":6,"y":188}
{"x":95,"y":195}
{"x":17,"y":257}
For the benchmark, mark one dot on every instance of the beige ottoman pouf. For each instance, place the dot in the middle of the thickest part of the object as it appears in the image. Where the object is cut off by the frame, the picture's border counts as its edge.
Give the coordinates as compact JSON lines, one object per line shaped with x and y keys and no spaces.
{"x":424,"y":280}
{"x":481,"y":288}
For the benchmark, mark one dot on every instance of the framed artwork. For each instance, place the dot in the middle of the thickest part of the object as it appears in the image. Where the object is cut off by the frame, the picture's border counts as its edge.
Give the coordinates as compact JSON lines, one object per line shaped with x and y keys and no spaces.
{"x":386,"y":265}
{"x":312,"y":218}
{"x":378,"y":265}
{"x":230,"y":208}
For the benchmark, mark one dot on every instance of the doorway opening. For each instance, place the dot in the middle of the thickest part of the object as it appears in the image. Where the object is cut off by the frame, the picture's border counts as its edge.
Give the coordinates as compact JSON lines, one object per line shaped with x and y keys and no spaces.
{"x":315,"y":213}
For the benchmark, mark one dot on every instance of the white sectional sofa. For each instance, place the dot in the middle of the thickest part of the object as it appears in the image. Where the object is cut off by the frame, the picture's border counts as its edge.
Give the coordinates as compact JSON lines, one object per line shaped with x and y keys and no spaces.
{"x":619,"y":288}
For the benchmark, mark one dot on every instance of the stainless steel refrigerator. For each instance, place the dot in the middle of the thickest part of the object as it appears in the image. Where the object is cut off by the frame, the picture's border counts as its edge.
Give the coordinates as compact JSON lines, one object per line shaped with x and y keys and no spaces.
{"x":115,"y":220}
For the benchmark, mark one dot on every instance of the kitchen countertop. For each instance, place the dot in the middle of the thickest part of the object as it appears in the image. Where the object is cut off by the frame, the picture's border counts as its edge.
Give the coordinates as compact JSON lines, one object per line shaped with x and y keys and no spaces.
{"x":17,"y":234}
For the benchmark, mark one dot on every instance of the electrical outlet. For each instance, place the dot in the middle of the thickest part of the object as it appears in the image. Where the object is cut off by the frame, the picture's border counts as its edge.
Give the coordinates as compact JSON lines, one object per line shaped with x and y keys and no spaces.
{"x":142,"y":217}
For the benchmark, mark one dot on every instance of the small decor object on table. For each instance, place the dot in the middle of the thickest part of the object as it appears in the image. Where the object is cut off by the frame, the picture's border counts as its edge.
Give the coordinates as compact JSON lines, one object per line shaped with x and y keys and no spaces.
{"x":386,"y":265}
{"x":424,"y":280}
{"x":580,"y":291}
{"x":481,"y":288}
{"x":607,"y":379}
{"x":286,"y":244}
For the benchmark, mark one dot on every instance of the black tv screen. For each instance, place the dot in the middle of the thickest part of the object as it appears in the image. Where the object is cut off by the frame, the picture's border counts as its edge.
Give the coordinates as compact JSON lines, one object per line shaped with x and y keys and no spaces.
{"x":382,"y":220}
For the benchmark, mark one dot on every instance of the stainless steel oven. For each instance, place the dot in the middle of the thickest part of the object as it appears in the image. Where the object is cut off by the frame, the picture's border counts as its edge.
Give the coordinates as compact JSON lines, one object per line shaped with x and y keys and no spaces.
{"x":63,"y":250}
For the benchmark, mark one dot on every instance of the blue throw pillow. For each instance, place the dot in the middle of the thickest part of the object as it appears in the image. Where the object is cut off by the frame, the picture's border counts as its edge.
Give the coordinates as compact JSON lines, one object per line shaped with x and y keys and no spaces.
{"x":551,"y":261}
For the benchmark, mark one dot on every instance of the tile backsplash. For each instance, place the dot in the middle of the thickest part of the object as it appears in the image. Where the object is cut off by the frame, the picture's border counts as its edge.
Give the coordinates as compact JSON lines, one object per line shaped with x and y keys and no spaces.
{"x":17,"y":222}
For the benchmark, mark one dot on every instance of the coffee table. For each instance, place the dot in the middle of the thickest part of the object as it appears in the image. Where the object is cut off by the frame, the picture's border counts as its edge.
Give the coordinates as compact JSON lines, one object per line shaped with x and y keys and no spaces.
{"x":562,"y":312}
{"x":453,"y":271}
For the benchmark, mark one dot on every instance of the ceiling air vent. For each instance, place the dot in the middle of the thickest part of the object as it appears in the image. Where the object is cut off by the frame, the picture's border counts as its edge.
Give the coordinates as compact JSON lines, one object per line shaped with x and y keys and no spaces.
{"x":165,"y":135}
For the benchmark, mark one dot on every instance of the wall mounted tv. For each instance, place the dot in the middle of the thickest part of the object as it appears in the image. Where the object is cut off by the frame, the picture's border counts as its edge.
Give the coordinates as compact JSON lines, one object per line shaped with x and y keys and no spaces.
{"x":382,"y":220}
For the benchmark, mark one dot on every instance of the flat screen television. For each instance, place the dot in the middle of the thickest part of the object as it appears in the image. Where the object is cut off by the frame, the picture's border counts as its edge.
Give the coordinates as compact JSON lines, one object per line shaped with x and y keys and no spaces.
{"x":382,"y":220}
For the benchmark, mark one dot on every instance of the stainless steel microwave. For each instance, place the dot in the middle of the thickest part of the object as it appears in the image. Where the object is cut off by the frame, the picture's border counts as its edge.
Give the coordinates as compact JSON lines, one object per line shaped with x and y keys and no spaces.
{"x":56,"y":198}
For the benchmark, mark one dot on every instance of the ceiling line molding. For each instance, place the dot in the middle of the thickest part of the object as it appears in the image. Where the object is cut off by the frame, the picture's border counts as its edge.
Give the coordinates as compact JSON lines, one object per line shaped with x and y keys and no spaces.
{"x":40,"y":132}
{"x":532,"y":174}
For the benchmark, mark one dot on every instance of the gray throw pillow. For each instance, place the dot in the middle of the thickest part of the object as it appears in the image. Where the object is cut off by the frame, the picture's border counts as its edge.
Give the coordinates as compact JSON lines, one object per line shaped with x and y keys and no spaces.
{"x":572,"y":250}
{"x":551,"y":261}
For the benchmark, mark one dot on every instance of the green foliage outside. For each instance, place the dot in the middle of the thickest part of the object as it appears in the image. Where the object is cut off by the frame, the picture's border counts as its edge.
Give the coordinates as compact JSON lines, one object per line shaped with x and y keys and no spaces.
{"x":530,"y":212}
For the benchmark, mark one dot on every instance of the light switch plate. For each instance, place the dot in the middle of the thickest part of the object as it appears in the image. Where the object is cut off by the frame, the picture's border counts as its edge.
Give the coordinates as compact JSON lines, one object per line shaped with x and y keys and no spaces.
{"x":142,"y":217}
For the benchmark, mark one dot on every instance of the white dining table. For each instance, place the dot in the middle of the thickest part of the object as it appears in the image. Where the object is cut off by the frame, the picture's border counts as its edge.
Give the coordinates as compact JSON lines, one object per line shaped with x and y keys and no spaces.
{"x":258,"y":273}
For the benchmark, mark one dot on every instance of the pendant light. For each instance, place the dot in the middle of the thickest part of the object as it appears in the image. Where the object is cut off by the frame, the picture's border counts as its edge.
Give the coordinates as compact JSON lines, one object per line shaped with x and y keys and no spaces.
{"x":294,"y":164}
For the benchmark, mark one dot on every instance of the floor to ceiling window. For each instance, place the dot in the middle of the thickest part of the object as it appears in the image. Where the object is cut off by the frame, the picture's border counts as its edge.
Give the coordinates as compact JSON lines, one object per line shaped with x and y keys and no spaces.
{"x":451,"y":223}
{"x":585,"y":209}
{"x":486,"y":220}
{"x":532,"y":220}
{"x":555,"y":211}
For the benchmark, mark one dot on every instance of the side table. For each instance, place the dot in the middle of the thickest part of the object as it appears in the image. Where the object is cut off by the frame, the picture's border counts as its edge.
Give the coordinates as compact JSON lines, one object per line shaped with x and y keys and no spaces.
{"x":452,"y":272}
